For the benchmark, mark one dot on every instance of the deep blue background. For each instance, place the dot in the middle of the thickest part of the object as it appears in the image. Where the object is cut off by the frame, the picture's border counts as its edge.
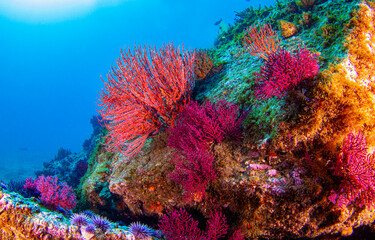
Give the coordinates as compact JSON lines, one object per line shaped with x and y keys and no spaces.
{"x":50,"y":68}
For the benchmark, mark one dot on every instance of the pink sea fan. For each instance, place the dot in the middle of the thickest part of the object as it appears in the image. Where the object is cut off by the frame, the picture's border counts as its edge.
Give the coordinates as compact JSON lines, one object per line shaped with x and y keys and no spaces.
{"x":53,"y":193}
{"x":216,"y":226}
{"x":194,"y":172}
{"x":207,"y":123}
{"x":196,"y":129}
{"x":356,"y":168}
{"x":283,"y":71}
{"x":178,"y":224}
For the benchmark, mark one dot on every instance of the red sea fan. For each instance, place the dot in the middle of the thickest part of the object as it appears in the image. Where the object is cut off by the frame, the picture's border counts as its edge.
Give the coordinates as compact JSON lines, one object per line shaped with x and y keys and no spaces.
{"x":261,"y":41}
{"x":144,"y":93}
{"x":283,"y":71}
{"x":356,"y":168}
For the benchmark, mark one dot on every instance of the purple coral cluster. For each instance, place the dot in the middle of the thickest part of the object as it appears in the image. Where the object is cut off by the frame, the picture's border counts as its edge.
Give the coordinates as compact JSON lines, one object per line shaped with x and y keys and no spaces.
{"x":283,"y":71}
{"x":356,"y":168}
{"x":52,"y":193}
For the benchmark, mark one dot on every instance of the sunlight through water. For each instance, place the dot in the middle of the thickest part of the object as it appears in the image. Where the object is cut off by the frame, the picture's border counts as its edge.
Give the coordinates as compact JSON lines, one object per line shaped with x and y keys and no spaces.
{"x":44,"y":11}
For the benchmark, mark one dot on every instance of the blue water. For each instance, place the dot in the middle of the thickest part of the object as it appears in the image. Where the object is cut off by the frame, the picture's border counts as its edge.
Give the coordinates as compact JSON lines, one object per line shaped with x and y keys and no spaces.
{"x":52,"y":57}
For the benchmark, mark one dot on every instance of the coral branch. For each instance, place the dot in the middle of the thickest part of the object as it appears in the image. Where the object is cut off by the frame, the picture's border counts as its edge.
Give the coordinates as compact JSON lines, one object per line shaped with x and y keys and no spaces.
{"x":261,"y":41}
{"x":357,"y":170}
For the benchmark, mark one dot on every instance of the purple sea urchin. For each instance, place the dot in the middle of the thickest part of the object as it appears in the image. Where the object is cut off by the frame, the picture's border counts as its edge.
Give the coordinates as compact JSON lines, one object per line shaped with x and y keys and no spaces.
{"x":90,"y":228}
{"x":89,"y":213}
{"x":79,"y":219}
{"x":140,"y":231}
{"x":101,"y":223}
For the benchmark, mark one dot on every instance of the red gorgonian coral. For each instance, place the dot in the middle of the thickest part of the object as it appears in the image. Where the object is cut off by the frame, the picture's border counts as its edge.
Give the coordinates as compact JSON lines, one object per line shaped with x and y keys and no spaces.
{"x":356,"y":168}
{"x":144,"y":93}
{"x":261,"y":41}
{"x":283,"y":71}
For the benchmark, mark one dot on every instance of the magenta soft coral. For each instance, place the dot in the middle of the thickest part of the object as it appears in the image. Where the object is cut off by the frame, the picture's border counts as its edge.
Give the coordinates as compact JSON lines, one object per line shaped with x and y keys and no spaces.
{"x":196,"y":129}
{"x":283,"y":71}
{"x":356,"y":168}
{"x":52,"y":193}
{"x":178,"y":224}
{"x":194,"y":172}
{"x":208,"y":123}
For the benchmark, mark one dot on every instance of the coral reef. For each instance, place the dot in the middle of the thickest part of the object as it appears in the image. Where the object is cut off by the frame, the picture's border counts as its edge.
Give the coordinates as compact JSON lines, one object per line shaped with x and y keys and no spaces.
{"x":300,"y":165}
{"x":277,"y":182}
{"x":23,"y":219}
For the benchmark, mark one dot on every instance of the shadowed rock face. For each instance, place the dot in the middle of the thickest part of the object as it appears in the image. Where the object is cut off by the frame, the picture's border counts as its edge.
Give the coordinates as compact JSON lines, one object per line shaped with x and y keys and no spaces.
{"x":269,"y":195}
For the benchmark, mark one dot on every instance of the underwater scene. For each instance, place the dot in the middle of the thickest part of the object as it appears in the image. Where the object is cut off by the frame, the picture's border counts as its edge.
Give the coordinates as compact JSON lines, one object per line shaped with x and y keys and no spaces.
{"x":187,"y":120}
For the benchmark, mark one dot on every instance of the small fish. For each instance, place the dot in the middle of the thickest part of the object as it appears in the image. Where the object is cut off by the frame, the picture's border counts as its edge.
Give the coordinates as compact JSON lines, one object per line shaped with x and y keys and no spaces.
{"x":23,"y":149}
{"x":218,"y":22}
{"x":247,"y":0}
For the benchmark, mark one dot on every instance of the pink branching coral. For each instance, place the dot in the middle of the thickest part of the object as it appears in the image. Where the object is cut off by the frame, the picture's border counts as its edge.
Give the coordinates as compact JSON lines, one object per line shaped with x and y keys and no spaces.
{"x":357,"y":170}
{"x":144,"y":93}
{"x":283,"y":71}
{"x":208,"y":123}
{"x":52,"y":193}
{"x":198,"y":127}
{"x":178,"y":224}
{"x":194,"y":172}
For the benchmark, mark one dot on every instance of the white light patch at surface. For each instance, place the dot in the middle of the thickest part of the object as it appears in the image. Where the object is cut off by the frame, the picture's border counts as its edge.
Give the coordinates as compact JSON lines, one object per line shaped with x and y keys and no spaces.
{"x":49,"y":10}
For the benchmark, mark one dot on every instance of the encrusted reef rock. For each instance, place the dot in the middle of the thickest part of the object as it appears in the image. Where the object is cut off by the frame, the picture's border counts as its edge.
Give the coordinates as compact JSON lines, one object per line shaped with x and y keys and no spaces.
{"x":276,"y":182}
{"x":23,"y":219}
{"x":268,"y":195}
